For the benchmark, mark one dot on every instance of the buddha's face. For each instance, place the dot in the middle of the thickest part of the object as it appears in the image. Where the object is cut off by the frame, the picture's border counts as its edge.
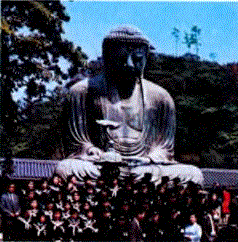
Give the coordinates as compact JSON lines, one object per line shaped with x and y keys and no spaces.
{"x":128,"y":59}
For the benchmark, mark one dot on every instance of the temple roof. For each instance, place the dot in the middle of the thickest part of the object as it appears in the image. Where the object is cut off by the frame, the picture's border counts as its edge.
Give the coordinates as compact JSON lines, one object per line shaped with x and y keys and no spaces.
{"x":37,"y":169}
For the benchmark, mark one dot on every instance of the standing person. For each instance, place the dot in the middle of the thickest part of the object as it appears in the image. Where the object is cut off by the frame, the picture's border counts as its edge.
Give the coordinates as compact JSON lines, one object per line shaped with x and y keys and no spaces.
{"x":90,"y":227}
{"x":30,"y":186}
{"x":25,"y":226}
{"x":74,"y":226}
{"x":193,"y":231}
{"x":43,"y":193}
{"x":76,"y":203}
{"x":209,"y":227}
{"x":67,"y":211}
{"x":226,"y":205}
{"x":34,"y":210}
{"x":105,"y":223}
{"x":41,"y":228}
{"x":11,"y":209}
{"x":155,"y":227}
{"x":136,"y":232}
{"x":121,"y":229}
{"x":57,"y":227}
{"x":55,"y":187}
{"x":172,"y":225}
{"x":49,"y":210}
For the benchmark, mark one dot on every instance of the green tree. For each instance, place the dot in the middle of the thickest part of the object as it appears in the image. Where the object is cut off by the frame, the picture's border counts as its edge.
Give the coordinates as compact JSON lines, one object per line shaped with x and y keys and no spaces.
{"x":192,"y":38}
{"x":206,"y":107}
{"x":176,"y":34}
{"x":195,"y":33}
{"x":31,"y":54}
{"x":213,"y":56}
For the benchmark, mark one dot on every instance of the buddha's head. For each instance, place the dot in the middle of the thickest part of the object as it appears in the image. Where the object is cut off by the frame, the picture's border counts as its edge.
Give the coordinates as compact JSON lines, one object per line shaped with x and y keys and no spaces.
{"x":125,"y":51}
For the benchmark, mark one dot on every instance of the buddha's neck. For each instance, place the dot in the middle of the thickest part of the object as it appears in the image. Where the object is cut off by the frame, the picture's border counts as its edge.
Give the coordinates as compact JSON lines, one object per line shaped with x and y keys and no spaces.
{"x":124,"y":86}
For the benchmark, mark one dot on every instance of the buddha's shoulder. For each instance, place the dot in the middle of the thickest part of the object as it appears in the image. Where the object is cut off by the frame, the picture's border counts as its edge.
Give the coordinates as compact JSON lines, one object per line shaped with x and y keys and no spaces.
{"x":92,"y":83}
{"x":156,"y":91}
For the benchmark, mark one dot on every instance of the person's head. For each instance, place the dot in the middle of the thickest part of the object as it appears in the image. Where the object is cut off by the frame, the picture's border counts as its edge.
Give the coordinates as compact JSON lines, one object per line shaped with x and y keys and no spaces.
{"x":164,"y":180}
{"x":125,"y":51}
{"x":145,"y":188}
{"x":215,"y":214}
{"x":115,"y":182}
{"x":67,"y":206}
{"x":89,"y":182}
{"x":76,"y":197}
{"x":172,"y":198}
{"x":162,"y":190}
{"x":74,"y":214}
{"x":90,"y":214}
{"x":86,"y":206}
{"x":56,"y":180}
{"x":11,"y":188}
{"x":106,"y":204}
{"x":74,"y":180}
{"x":90,"y":190}
{"x":155,"y":218}
{"x":100,"y":182}
{"x":31,"y":185}
{"x":193,"y":218}
{"x":57,"y":215}
{"x":34,"y":204}
{"x":44,"y":184}
{"x":42,"y":218}
{"x":50,"y":206}
{"x":214,"y":197}
{"x":107,"y":215}
{"x":128,"y":186}
{"x":140,"y":215}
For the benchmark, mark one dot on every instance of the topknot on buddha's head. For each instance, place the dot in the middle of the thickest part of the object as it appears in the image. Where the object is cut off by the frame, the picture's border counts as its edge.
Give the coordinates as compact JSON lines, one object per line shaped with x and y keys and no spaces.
{"x":125,"y":34}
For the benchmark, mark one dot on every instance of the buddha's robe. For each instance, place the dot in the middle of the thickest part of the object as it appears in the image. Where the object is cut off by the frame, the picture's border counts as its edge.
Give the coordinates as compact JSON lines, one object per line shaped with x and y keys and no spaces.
{"x":139,"y":130}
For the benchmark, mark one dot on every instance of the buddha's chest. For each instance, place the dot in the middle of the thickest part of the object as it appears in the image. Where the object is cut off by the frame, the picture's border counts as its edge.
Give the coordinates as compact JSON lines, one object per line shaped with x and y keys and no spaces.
{"x":123,"y":119}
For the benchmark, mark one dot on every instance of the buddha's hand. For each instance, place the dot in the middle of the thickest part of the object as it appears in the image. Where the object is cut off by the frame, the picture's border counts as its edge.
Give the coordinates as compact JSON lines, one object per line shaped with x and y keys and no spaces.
{"x":111,"y":156}
{"x":93,"y":154}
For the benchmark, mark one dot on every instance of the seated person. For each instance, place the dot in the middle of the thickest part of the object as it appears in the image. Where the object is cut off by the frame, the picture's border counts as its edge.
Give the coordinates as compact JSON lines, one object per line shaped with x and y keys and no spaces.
{"x":118,"y":117}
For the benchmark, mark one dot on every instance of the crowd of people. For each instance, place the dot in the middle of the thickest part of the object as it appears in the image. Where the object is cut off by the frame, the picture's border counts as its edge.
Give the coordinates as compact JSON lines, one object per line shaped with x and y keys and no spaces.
{"x":113,"y":210}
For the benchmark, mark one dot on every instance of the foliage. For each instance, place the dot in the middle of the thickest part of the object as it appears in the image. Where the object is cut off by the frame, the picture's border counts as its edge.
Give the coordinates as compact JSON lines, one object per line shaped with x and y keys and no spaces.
{"x":176,"y":34}
{"x":40,"y":130}
{"x":207,"y":107}
{"x":192,"y":38}
{"x":32,"y":49}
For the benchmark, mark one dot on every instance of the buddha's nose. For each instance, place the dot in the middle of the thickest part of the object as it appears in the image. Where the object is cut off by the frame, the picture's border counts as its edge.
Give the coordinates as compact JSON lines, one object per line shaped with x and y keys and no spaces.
{"x":130,"y":61}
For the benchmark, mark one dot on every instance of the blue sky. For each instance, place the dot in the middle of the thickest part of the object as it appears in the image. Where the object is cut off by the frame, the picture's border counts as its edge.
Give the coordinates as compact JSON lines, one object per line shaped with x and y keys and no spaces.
{"x":92,"y":20}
